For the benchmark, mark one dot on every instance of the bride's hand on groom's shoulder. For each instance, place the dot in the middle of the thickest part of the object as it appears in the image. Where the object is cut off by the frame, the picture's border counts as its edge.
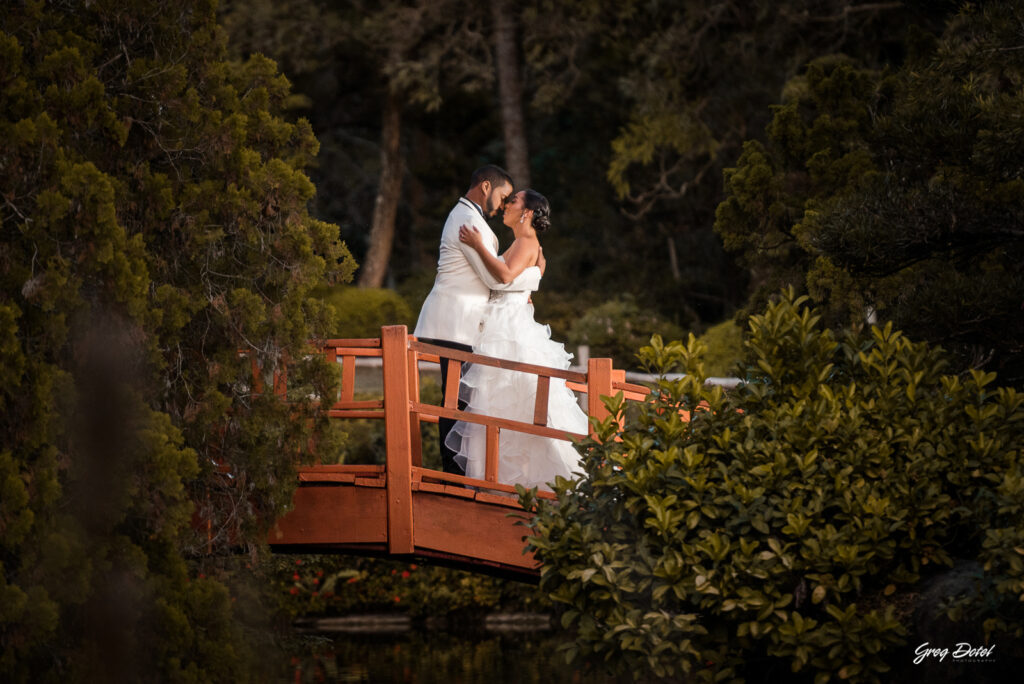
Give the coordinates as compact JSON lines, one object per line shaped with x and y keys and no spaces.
{"x":470,"y":235}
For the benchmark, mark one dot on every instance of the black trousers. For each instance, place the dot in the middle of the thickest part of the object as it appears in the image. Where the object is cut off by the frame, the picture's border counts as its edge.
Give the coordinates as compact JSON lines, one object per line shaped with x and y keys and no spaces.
{"x":445,"y":425}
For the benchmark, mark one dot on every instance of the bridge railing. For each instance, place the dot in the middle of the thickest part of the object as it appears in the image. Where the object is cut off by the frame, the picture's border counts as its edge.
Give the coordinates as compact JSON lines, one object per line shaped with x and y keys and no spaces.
{"x":402,"y":411}
{"x":401,"y":357}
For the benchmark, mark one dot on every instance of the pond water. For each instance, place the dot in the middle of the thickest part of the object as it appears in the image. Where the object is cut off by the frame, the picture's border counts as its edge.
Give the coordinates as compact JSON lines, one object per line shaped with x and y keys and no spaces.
{"x":431,"y":655}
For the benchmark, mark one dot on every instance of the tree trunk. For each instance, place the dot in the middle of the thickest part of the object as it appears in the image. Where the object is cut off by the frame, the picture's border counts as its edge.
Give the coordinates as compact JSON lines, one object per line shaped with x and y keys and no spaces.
{"x":510,"y":93}
{"x":385,"y":208}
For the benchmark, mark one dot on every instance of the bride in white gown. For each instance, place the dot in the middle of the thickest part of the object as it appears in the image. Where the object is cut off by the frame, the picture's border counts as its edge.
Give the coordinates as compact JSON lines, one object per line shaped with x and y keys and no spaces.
{"x":508,"y":331}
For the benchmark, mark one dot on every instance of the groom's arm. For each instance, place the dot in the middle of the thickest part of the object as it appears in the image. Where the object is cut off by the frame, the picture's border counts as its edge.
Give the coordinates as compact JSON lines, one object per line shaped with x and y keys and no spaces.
{"x":477,"y":262}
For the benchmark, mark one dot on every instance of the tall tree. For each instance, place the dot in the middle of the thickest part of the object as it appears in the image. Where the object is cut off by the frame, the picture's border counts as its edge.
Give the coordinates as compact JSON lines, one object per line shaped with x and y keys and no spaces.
{"x":389,"y":190}
{"x":419,"y":47}
{"x":155,"y":224}
{"x":510,"y":91}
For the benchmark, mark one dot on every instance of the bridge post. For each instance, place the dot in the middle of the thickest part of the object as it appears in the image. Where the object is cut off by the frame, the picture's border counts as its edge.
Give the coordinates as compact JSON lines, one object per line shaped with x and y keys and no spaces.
{"x":599,"y":383}
{"x":398,"y":466}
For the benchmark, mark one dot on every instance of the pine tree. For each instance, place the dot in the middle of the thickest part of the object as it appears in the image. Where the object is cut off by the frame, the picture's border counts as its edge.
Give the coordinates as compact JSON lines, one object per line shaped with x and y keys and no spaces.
{"x":156,"y":243}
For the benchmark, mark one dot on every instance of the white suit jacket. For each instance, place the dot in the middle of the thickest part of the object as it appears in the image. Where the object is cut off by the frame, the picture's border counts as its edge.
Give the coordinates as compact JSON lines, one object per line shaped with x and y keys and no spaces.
{"x":454,"y":308}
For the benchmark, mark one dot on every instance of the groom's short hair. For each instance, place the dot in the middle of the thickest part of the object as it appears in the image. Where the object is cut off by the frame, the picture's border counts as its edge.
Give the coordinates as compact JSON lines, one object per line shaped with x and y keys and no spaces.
{"x":495,"y":174}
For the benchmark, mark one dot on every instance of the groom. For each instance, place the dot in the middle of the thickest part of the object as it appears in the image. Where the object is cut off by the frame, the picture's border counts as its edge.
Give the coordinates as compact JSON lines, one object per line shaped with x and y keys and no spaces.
{"x":451,"y":314}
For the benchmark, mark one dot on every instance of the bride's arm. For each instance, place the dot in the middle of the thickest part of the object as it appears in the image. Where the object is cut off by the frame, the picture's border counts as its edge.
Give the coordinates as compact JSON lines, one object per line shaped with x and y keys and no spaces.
{"x":517,"y":257}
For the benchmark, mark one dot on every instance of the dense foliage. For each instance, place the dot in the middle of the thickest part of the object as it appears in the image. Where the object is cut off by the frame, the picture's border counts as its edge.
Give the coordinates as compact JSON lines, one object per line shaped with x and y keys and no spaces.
{"x":155,"y":225}
{"x":308,"y":586}
{"x":617,"y":328}
{"x":899,"y":193}
{"x":774,"y":531}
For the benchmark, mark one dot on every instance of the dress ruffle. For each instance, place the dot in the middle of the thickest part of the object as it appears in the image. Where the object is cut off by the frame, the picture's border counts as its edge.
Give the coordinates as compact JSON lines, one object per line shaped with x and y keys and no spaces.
{"x":509,"y":331}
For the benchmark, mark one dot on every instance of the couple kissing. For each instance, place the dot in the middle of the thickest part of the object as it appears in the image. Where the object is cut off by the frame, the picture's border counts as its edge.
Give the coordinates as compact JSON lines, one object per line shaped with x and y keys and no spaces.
{"x":480,"y":302}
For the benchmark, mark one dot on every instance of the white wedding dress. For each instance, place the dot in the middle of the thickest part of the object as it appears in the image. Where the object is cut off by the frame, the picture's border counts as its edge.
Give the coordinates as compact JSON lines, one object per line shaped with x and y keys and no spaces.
{"x":508,"y":331}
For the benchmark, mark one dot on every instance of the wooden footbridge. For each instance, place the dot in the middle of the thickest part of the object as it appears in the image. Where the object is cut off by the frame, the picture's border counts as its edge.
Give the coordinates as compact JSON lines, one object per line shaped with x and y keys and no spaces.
{"x":403,"y":509}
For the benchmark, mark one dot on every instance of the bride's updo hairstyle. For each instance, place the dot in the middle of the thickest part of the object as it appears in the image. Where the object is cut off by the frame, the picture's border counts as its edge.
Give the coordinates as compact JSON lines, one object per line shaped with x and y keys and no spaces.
{"x":538,"y":204}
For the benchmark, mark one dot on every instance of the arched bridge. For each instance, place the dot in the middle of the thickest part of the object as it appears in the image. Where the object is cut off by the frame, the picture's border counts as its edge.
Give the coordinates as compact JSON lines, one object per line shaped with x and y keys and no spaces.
{"x":403,"y":509}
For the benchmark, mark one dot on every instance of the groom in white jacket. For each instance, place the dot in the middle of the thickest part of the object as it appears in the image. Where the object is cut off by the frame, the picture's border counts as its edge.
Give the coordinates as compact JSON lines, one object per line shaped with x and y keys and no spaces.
{"x":452,"y":312}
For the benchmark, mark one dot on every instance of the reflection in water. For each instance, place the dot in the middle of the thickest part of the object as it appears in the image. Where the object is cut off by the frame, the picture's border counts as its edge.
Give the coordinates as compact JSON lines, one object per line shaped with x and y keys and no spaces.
{"x":429,"y":656}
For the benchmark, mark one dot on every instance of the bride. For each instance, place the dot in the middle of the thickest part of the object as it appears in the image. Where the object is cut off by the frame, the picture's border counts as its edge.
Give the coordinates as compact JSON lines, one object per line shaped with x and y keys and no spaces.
{"x":508,"y":331}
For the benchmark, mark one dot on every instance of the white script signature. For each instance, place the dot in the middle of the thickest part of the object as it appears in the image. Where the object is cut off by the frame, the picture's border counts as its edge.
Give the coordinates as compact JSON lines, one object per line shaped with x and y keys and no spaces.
{"x":962,"y":650}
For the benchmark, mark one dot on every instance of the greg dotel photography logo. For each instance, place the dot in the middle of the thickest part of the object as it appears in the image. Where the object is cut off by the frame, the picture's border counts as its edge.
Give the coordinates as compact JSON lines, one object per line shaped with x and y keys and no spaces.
{"x":961,"y":652}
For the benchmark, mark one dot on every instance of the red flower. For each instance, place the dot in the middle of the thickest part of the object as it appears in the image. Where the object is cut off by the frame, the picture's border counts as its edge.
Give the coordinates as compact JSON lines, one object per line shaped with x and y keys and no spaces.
{"x":315,"y":594}
{"x":294,"y":590}
{"x":316,"y":581}
{"x":295,"y":576}
{"x":352,"y":579}
{"x":319,"y":573}
{"x":202,"y":576}
{"x":397,"y":599}
{"x":298,"y":561}
{"x":405,"y":574}
{"x":413,"y":566}
{"x":394,"y":572}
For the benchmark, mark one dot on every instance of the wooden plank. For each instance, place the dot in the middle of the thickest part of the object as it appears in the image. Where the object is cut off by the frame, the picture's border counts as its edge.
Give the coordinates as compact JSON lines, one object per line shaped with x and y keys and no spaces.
{"x":348,"y":413}
{"x":416,"y":439}
{"x":499,"y":499}
{"x":462,"y":492}
{"x":440,"y":488}
{"x":426,"y":475}
{"x":599,"y":384}
{"x":503,"y":423}
{"x":320,"y":516}
{"x":328,"y":477}
{"x":491,"y":454}
{"x":540,"y":406}
{"x":632,"y":388}
{"x":498,"y":363}
{"x":451,"y":384}
{"x":359,"y":468}
{"x":360,"y":352}
{"x":348,"y":378}
{"x":398,"y":467}
{"x":470,"y":529}
{"x":353,"y":342}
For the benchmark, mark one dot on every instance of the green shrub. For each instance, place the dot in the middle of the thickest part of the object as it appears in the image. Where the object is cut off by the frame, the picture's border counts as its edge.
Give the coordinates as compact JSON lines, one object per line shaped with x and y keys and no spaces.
{"x":617,"y":328}
{"x":361,"y":312}
{"x":724,"y":344}
{"x":773,"y":532}
{"x":365,"y":442}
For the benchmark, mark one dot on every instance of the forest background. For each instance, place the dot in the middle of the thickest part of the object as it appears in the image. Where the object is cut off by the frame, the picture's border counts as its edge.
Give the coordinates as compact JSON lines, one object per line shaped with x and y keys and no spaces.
{"x":626,"y":115}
